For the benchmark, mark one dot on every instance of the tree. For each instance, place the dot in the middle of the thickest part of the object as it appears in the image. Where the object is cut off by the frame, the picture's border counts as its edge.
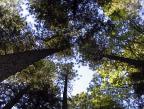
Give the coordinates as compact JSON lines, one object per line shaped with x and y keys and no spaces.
{"x":105,"y":56}
{"x":38,"y":90}
{"x":98,"y":47}
{"x":119,"y":9}
{"x":92,"y":31}
{"x":80,"y":101}
{"x":100,"y":40}
{"x":93,"y":101}
{"x":121,"y":45}
{"x":10,"y":64}
{"x":66,"y":73}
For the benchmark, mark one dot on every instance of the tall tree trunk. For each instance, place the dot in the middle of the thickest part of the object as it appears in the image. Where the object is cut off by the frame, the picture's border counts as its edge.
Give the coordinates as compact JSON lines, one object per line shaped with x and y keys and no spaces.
{"x":136,"y":63}
{"x":16,"y":99}
{"x":64,"y":102}
{"x":12,"y":63}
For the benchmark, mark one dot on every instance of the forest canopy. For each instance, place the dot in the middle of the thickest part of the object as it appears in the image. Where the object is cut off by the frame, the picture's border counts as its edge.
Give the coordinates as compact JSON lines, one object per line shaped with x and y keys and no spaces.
{"x":37,"y":62}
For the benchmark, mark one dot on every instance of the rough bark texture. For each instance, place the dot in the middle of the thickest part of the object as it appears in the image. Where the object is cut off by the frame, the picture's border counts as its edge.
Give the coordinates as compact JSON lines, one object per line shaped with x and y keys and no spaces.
{"x":12,"y":63}
{"x":64,"y":102}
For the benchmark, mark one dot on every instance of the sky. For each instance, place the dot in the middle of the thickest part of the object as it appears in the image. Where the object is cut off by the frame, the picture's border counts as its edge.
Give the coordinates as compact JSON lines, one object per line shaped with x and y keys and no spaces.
{"x":85,"y":74}
{"x":81,"y":84}
{"x":141,"y":12}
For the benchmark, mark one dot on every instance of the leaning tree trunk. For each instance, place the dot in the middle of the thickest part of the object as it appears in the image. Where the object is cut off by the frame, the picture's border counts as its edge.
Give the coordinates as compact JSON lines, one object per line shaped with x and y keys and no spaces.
{"x":136,"y":63}
{"x":64,"y":102}
{"x":12,"y":63}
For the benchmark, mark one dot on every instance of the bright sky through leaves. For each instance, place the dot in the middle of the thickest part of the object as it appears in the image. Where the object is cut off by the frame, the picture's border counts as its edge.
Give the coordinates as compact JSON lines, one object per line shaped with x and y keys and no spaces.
{"x":82,"y":83}
{"x":79,"y":85}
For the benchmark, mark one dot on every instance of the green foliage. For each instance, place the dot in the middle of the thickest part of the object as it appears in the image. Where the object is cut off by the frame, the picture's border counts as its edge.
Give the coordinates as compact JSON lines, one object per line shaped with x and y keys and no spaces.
{"x":66,"y":69}
{"x":92,"y":36}
{"x":104,"y":2}
{"x":94,"y":100}
{"x":40,"y":74}
{"x":36,"y":87}
{"x":79,"y":101}
{"x":15,"y":36}
{"x":52,"y":13}
{"x":120,"y":9}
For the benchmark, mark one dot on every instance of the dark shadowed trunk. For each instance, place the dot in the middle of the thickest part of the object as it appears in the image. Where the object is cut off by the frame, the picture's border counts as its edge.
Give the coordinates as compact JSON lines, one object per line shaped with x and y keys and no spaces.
{"x":16,"y":98}
{"x":12,"y":63}
{"x":136,"y":63}
{"x":64,"y":102}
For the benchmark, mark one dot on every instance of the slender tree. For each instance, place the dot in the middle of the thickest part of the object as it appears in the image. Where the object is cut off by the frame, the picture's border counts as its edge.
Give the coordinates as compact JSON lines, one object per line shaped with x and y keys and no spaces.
{"x":66,"y":73}
{"x":64,"y":102}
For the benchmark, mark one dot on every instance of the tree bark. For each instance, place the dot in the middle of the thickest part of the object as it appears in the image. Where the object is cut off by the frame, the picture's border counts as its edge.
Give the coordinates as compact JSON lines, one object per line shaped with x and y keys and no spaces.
{"x":13,"y":63}
{"x":136,"y":63}
{"x":64,"y":102}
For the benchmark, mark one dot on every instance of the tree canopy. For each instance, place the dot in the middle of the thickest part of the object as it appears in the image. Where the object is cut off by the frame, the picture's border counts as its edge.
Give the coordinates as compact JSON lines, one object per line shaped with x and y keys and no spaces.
{"x":106,"y":35}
